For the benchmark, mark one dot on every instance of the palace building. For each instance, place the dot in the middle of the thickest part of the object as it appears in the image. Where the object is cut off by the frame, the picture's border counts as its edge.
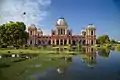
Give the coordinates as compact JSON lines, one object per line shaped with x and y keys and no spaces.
{"x":62,"y":35}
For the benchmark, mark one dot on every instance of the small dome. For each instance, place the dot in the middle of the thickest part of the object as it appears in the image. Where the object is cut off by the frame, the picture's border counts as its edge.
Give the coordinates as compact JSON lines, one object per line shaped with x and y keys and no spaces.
{"x":39,"y":30}
{"x":91,"y":26}
{"x":32,"y":26}
{"x":61,"y":22}
{"x":83,"y":31}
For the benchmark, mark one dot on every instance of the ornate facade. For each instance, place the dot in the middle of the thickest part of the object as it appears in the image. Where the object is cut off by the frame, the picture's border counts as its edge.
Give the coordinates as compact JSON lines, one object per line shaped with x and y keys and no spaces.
{"x":62,"y":35}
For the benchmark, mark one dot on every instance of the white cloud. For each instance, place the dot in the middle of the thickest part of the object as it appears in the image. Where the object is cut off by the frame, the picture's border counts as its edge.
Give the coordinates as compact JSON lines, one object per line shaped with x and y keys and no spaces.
{"x":28,"y":11}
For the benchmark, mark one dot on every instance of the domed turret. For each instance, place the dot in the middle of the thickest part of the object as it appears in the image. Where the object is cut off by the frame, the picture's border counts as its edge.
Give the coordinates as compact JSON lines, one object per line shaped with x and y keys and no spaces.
{"x":91,"y":26}
{"x":83,"y":32}
{"x":32,"y":27}
{"x":39,"y":30}
{"x":61,"y":22}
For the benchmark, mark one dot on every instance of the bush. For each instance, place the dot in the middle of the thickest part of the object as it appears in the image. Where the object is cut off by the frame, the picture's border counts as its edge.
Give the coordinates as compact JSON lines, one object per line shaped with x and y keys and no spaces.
{"x":16,"y":46}
{"x":4,"y":46}
{"x":117,"y":48}
{"x":26,"y":46}
{"x":8,"y":51}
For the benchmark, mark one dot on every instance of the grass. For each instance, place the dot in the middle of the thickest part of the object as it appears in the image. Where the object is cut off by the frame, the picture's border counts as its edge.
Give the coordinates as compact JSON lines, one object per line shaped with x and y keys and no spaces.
{"x":24,"y":51}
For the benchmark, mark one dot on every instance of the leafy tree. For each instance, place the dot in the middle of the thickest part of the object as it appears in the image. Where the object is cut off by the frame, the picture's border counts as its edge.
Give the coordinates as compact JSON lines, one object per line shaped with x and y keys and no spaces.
{"x":103,"y":39}
{"x":114,"y":41}
{"x":13,"y":34}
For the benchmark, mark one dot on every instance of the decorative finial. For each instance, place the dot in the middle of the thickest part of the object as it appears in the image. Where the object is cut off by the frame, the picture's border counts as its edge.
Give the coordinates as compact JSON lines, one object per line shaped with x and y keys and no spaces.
{"x":61,"y":18}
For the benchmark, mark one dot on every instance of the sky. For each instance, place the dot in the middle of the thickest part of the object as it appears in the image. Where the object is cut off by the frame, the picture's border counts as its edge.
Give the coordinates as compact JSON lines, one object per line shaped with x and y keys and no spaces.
{"x":104,"y":14}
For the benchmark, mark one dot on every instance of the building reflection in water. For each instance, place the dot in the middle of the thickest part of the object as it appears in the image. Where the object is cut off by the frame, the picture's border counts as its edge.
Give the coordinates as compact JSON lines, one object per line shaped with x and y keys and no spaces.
{"x":62,"y":68}
{"x":89,"y":56}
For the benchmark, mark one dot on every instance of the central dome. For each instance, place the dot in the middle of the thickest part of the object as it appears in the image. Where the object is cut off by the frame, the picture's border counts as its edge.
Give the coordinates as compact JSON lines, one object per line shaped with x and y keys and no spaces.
{"x":61,"y":22}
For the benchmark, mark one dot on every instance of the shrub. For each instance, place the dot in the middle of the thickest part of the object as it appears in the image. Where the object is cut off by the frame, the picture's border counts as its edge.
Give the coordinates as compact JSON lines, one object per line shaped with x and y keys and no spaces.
{"x":4,"y":46}
{"x":117,"y":48}
{"x":8,"y":51}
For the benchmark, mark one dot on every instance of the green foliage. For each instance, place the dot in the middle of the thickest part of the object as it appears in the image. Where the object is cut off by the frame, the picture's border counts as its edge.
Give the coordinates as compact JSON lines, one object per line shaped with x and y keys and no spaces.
{"x":13,"y":34}
{"x":103,"y":39}
{"x":79,"y":46}
{"x":117,"y":47}
{"x":114,"y":41}
{"x":104,"y":52}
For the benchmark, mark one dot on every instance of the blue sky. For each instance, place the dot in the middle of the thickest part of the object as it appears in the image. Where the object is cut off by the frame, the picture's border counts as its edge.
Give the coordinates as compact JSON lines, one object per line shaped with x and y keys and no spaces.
{"x":104,"y":14}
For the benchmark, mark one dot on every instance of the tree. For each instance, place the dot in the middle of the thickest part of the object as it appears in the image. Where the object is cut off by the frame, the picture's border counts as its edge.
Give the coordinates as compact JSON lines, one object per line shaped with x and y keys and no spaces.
{"x":103,"y":39}
{"x":13,"y":34}
{"x":114,"y":41}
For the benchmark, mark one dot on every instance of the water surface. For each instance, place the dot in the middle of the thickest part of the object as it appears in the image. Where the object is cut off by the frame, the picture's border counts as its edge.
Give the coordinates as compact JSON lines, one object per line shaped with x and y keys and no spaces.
{"x":89,"y":65}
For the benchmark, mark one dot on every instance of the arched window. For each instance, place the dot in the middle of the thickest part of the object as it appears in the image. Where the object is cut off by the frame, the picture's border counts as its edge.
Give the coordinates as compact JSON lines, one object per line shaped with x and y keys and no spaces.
{"x":57,"y":42}
{"x":69,"y":33}
{"x":92,"y":32}
{"x":61,"y":42}
{"x":65,"y":41}
{"x":92,"y":42}
{"x":39,"y":42}
{"x":30,"y":42}
{"x":84,"y":42}
{"x":69,"y":41}
{"x":49,"y":42}
{"x":30,"y":32}
{"x":53,"y":33}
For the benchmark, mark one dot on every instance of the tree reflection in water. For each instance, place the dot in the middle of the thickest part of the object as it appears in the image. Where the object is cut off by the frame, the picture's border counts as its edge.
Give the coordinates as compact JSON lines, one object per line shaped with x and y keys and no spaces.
{"x":104,"y":52}
{"x":89,"y":56}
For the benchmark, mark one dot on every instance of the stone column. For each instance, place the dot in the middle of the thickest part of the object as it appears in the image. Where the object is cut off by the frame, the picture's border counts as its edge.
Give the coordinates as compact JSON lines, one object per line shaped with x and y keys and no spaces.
{"x":88,"y":32}
{"x":94,"y":41}
{"x":71,"y":41}
{"x":67,"y":41}
{"x":55,"y":41}
{"x":36,"y":42}
{"x":65,"y":31}
{"x":51,"y":41}
{"x":59,"y":41}
{"x":94,"y":32}
{"x":63,"y":41}
{"x":90,"y":42}
{"x":86,"y":41}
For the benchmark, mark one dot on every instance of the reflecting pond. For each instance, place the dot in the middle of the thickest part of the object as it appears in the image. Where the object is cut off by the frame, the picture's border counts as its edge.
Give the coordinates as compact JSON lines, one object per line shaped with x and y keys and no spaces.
{"x":90,"y":64}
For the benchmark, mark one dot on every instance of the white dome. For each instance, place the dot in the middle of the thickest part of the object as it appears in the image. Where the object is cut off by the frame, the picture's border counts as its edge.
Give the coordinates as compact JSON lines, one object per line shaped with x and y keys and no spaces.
{"x":32,"y":26}
{"x":83,"y":30}
{"x":91,"y":26}
{"x":61,"y":22}
{"x":39,"y":30}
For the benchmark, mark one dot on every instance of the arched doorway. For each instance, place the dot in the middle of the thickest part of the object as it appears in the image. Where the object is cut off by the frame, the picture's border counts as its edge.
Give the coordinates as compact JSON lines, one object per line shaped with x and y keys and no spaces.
{"x":39,"y":42}
{"x":57,"y":42}
{"x":65,"y":42}
{"x":73,"y":42}
{"x":92,"y":42}
{"x":49,"y":42}
{"x":30,"y":42}
{"x":61,"y":42}
{"x":83,"y":42}
{"x":80,"y":42}
{"x":69,"y":41}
